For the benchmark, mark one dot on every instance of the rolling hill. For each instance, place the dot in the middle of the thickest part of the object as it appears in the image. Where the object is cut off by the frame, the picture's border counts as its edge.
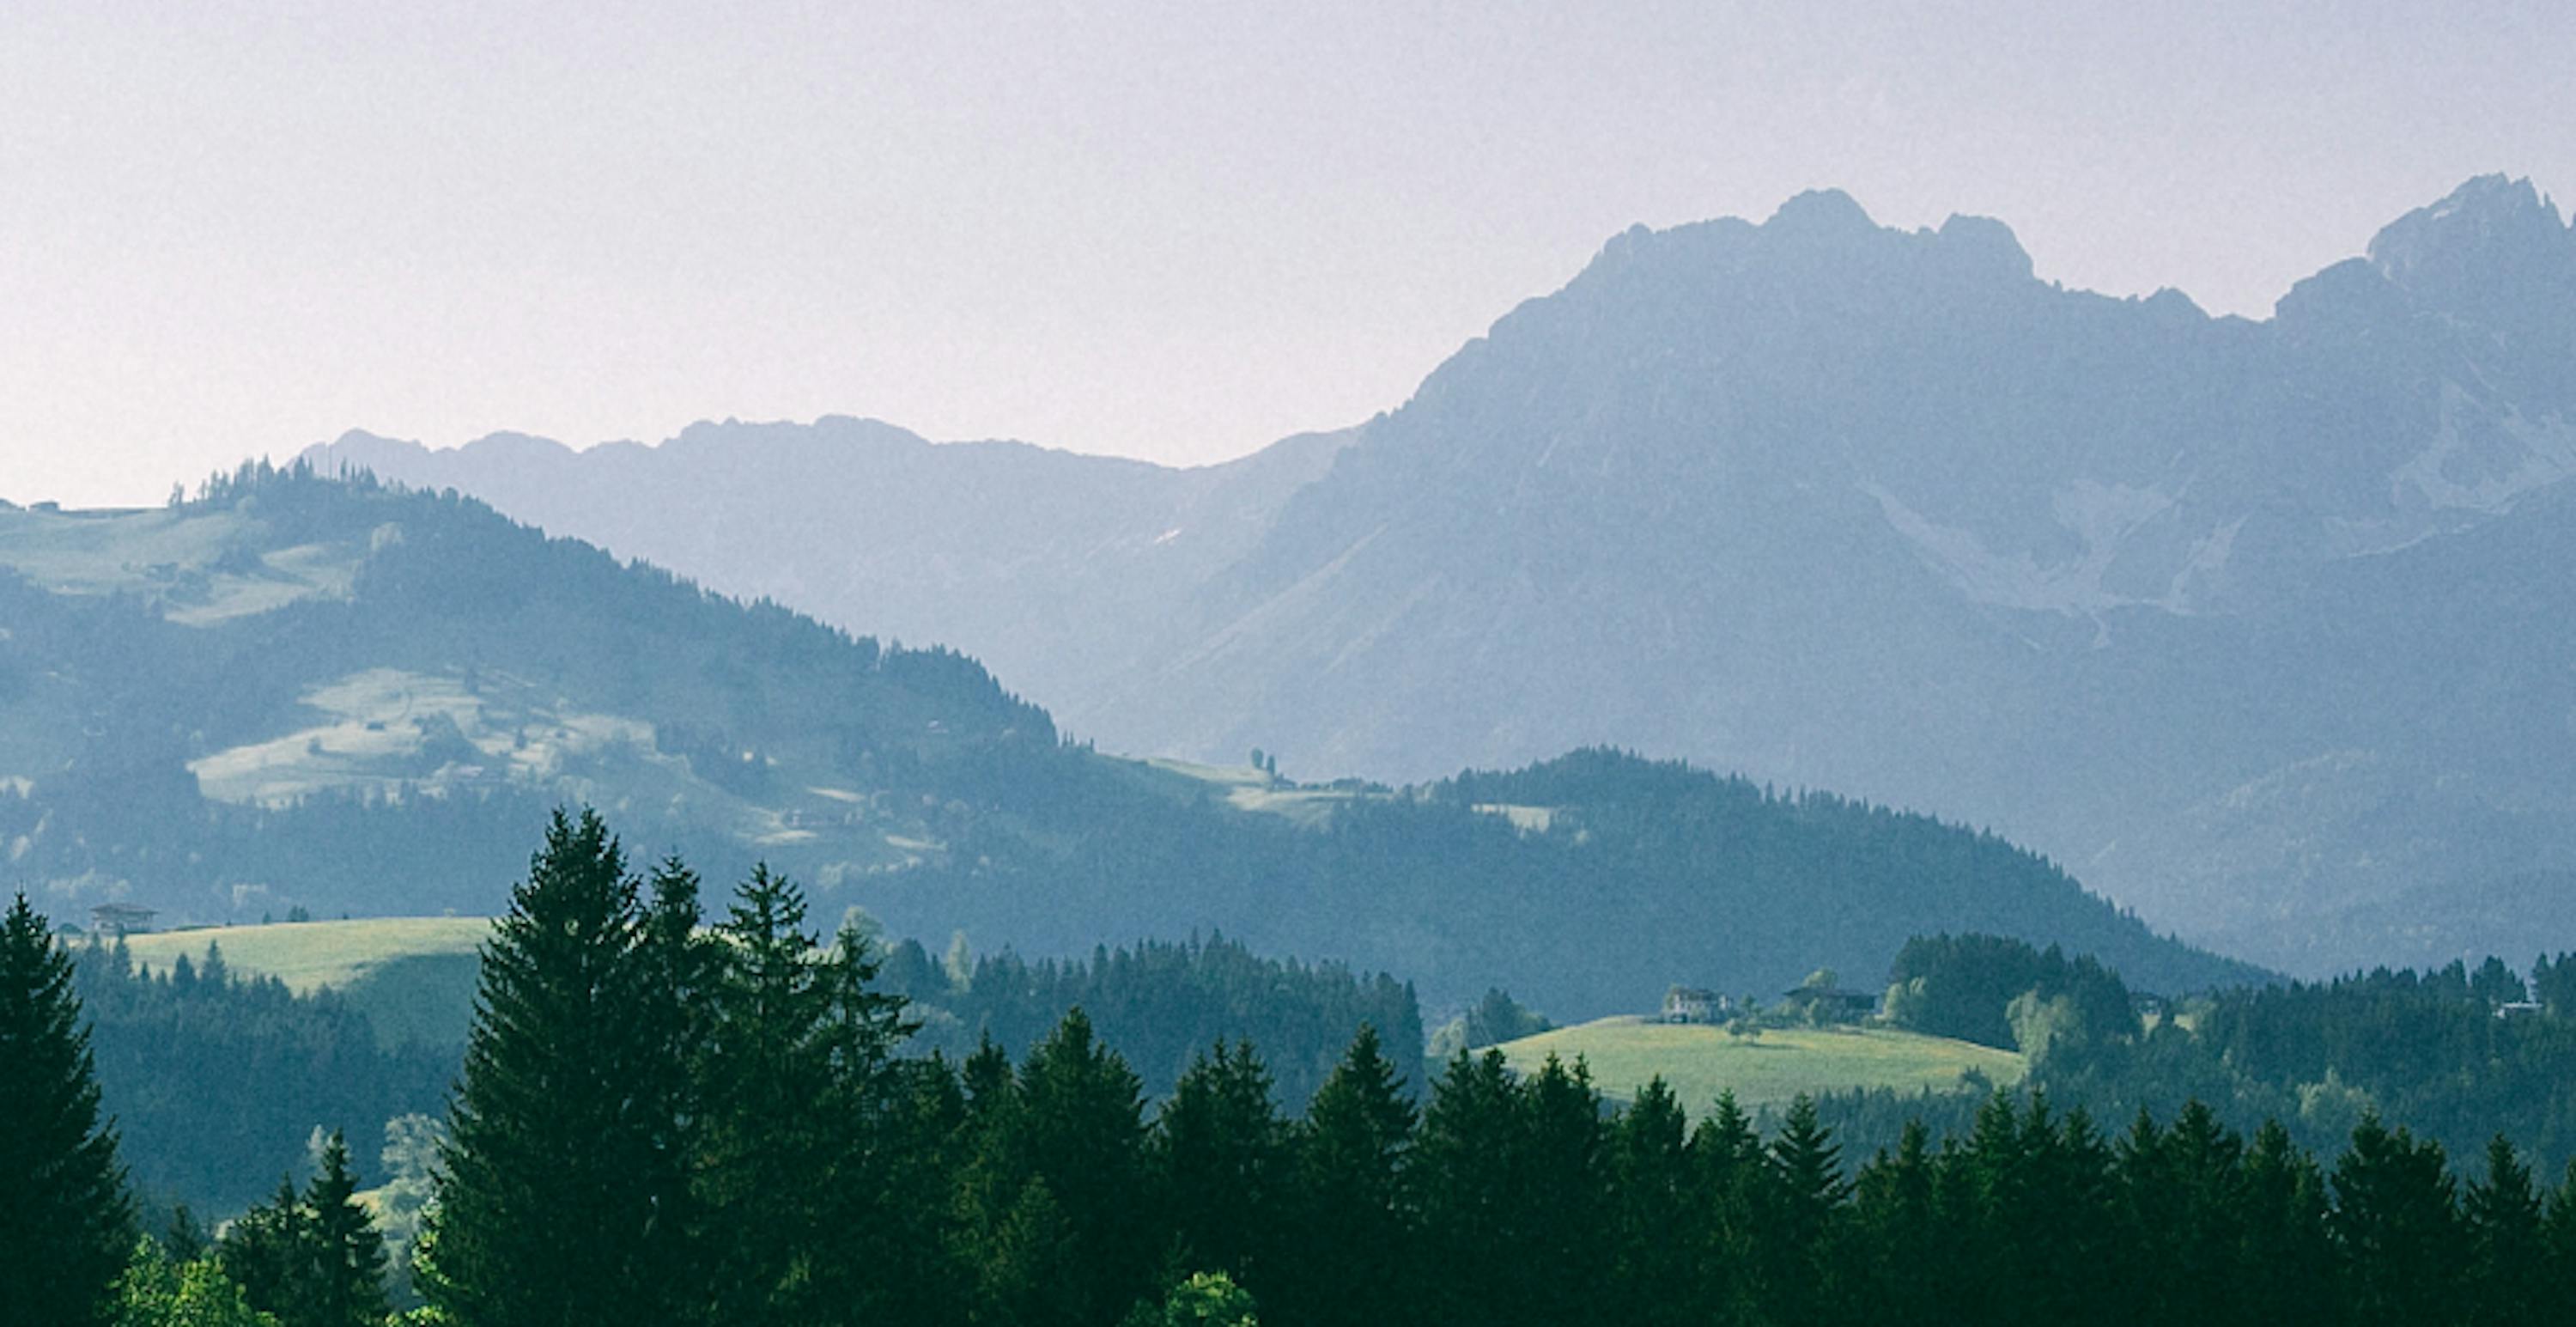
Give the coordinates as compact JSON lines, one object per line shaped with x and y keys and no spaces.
{"x":1698,"y":1061}
{"x":296,"y":691}
{"x":413,"y":977}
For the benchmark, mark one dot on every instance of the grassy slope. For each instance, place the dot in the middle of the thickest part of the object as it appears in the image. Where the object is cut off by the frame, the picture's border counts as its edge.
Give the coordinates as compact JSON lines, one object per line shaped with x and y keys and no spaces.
{"x":1698,"y":1061}
{"x":413,"y":976}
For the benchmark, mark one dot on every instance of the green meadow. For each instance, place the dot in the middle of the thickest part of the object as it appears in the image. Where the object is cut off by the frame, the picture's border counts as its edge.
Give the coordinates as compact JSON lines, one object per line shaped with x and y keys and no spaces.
{"x":1698,"y":1061}
{"x":413,"y":976}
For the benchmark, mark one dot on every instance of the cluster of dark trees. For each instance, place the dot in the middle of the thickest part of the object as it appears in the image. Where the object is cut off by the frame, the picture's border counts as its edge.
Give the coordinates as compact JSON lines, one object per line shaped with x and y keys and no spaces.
{"x":2458,"y":1053}
{"x":663,"y":1122}
{"x":217,"y":1078}
{"x":1972,"y":987}
{"x":1162,"y":1004}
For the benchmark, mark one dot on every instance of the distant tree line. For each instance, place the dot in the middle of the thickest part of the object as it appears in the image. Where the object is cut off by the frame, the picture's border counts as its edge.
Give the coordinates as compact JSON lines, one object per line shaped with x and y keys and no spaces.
{"x":2458,"y":1053}
{"x":1161,"y":1004}
{"x":217,"y":1078}
{"x":662,"y":1123}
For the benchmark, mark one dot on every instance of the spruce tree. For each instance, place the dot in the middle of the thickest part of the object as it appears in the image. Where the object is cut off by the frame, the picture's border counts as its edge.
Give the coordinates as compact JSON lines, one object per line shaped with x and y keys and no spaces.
{"x":1655,"y":1216}
{"x":875,"y":1240}
{"x":2396,"y":1225}
{"x":564,"y":1200}
{"x":1351,"y":1255}
{"x":344,"y":1255}
{"x":2558,"y":1224}
{"x":766,"y":1075}
{"x":1561,"y":1203}
{"x":2508,"y":1259}
{"x":1728,"y":1170}
{"x":268,"y":1250}
{"x":1465,"y":1180}
{"x":1802,"y":1218}
{"x":1897,"y":1222}
{"x":799,"y":1094}
{"x":1217,"y":1153}
{"x":2288,"y":1259}
{"x":1080,"y":1128}
{"x":66,"y":1224}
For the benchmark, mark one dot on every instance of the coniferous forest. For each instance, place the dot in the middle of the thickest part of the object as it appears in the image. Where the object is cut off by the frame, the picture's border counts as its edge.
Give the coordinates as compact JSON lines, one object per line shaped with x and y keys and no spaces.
{"x":678,"y":1111}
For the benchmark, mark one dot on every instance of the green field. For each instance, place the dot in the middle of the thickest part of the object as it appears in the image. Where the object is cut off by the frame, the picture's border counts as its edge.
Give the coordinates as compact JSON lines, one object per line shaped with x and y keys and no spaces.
{"x":413,"y":976}
{"x":1698,"y":1061}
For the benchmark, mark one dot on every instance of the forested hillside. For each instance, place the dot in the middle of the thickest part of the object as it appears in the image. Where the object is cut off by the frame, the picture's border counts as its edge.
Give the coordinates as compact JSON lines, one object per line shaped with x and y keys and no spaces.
{"x":2249,"y":620}
{"x":299,"y":692}
{"x":2458,"y":1054}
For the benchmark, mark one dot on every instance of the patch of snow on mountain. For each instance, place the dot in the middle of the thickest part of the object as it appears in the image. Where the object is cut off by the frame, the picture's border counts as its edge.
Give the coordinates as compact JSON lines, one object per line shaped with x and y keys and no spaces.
{"x":2102,"y":517}
{"x":2484,"y":458}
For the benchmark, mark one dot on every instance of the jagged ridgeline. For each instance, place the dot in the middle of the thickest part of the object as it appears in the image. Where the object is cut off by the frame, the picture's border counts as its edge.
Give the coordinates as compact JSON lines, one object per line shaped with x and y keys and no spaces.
{"x":297,"y":691}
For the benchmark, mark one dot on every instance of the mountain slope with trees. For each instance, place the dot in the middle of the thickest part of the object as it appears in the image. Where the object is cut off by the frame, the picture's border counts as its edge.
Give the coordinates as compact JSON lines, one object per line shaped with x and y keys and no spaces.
{"x":2246,"y":620}
{"x":299,"y":692}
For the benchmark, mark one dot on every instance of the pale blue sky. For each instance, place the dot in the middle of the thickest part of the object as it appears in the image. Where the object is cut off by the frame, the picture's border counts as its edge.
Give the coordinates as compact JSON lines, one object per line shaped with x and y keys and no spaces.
{"x":1175,"y":231}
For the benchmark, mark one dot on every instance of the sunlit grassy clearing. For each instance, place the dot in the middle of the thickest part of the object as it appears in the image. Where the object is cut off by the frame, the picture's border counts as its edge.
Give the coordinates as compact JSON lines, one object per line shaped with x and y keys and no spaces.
{"x":1698,"y":1061}
{"x":310,"y":955}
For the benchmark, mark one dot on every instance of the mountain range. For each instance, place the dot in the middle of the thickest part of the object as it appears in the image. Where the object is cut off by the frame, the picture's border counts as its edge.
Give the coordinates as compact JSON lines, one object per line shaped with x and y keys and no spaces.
{"x":295,"y":694}
{"x":2259,"y":626}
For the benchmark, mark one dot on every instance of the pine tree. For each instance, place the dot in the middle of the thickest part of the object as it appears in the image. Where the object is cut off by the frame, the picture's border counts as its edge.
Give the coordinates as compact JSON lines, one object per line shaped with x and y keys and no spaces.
{"x":2396,"y":1225}
{"x":66,"y":1224}
{"x":1217,"y":1152}
{"x":563,"y":1200}
{"x":268,"y":1250}
{"x":1802,"y":1217}
{"x":2508,"y":1259}
{"x":1562,"y":1201}
{"x":344,"y":1256}
{"x":1080,"y":1127}
{"x":1467,"y":1179}
{"x":2558,"y":1226}
{"x":1729,"y":1170}
{"x":1656,"y":1220}
{"x":875,"y":1240}
{"x":798,"y":1091}
{"x":1896,"y":1221}
{"x":2288,"y":1261}
{"x":765,"y":1078}
{"x":1351,"y":1253}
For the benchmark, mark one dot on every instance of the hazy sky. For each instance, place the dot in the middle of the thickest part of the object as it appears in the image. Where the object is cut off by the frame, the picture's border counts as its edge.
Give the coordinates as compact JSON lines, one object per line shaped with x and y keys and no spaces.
{"x":1175,"y":231}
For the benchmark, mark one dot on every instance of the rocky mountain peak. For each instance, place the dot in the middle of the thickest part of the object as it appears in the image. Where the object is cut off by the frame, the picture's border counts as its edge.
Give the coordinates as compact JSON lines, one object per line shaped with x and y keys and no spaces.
{"x":1821,"y":212}
{"x":2492,"y":245}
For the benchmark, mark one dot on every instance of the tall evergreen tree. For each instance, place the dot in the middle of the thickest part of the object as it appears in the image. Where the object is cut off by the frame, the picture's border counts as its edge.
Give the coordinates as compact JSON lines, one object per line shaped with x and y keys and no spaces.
{"x":799,"y":1094}
{"x":2558,"y":1225}
{"x":1464,"y":1180}
{"x":1895,"y":1221}
{"x":1656,"y":1215}
{"x":268,"y":1250}
{"x":2288,"y":1268}
{"x":1729,"y":1168}
{"x":344,"y":1255}
{"x":1562,"y":1203}
{"x":2508,"y":1255}
{"x":564,"y":1199}
{"x":1351,"y":1253}
{"x":66,"y":1224}
{"x":1218,"y":1152}
{"x":2396,"y":1224}
{"x":1802,"y":1216}
{"x":1056,"y":1181}
{"x":766,"y":1074}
